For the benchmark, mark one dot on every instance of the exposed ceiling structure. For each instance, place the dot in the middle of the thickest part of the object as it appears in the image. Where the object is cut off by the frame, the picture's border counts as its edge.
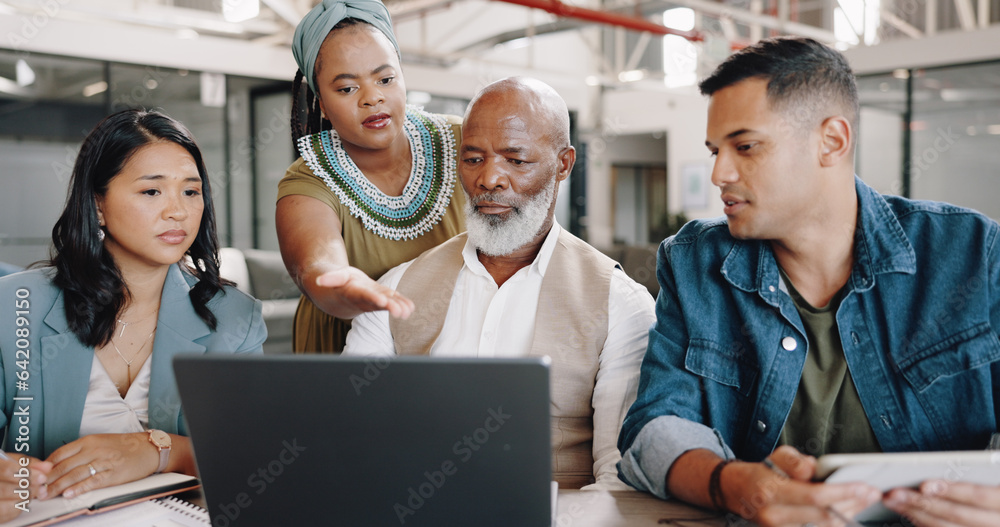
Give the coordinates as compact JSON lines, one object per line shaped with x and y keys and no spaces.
{"x":622,"y":36}
{"x":274,"y":19}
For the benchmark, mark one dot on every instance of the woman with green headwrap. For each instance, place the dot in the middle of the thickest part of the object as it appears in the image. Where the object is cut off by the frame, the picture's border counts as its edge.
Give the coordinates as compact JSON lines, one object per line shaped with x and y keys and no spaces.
{"x":376,"y":182}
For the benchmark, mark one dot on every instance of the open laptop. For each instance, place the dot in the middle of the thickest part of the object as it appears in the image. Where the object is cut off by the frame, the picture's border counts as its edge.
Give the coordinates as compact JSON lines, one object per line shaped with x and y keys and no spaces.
{"x":349,"y":441}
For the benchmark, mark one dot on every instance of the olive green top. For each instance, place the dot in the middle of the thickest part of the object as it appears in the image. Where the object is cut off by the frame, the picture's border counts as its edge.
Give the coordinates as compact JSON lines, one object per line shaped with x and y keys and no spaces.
{"x":827,"y":416}
{"x":373,"y":250}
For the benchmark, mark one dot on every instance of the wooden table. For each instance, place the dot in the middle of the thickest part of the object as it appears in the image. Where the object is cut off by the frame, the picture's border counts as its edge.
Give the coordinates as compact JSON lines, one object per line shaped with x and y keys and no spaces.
{"x":600,"y":508}
{"x":597,"y":508}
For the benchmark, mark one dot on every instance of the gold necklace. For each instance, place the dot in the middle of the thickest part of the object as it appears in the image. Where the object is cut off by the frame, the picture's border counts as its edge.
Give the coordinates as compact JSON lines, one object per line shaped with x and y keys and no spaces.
{"x":128,"y":363}
{"x":127,"y":324}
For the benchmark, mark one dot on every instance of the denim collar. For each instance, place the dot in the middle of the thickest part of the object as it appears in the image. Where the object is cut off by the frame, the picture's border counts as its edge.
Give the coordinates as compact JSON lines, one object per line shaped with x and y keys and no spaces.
{"x":880,"y":246}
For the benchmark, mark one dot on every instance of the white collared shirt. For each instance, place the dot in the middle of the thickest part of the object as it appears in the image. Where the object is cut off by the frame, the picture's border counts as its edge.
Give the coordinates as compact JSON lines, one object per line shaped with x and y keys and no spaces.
{"x":484,"y":320}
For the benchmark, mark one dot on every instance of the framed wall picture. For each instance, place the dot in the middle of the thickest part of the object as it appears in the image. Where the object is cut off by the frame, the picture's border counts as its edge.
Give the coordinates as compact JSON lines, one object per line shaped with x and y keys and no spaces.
{"x":696,"y":178}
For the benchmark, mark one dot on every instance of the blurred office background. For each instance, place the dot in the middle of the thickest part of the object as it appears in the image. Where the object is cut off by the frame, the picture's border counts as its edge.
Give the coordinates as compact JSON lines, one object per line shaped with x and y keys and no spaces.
{"x":929,"y":73}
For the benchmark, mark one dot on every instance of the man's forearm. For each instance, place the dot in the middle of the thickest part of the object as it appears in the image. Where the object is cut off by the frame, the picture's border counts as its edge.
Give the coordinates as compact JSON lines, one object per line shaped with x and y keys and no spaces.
{"x":663,"y":440}
{"x":689,"y":478}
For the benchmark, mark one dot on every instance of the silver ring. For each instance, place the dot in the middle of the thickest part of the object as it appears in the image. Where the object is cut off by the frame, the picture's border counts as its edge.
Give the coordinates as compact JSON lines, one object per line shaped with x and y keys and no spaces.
{"x":93,"y":471}
{"x":810,"y":524}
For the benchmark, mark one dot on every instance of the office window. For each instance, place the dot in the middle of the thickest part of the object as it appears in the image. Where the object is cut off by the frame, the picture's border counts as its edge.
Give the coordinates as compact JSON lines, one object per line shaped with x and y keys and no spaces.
{"x":47,"y":106}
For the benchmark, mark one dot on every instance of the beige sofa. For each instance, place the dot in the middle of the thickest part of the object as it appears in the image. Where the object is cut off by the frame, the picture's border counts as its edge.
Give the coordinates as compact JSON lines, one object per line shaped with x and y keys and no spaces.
{"x":262,"y":274}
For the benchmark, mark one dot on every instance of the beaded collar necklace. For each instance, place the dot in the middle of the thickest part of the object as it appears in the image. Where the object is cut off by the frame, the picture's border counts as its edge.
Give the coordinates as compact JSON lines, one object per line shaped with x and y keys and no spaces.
{"x":428,"y":190}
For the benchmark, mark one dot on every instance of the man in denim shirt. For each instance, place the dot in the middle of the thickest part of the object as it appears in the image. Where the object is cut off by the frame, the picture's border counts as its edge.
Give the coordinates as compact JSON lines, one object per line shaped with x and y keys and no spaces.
{"x":819,"y":316}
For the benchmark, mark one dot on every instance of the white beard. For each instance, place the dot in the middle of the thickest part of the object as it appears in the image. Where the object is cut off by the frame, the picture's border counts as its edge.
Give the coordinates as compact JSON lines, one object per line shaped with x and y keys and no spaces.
{"x":499,"y":236}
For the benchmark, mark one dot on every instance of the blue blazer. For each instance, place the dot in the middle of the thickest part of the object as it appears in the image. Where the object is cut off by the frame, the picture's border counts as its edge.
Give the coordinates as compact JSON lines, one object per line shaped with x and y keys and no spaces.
{"x":46,"y":369}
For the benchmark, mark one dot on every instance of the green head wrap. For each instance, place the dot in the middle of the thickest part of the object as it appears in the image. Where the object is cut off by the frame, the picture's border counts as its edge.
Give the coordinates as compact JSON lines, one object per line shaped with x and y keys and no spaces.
{"x":316,"y":25}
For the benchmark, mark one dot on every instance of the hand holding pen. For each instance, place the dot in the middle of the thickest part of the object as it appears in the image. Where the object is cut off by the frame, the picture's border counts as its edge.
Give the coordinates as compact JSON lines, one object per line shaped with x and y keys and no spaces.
{"x":832,"y":510}
{"x":780,"y":492}
{"x":21,"y":477}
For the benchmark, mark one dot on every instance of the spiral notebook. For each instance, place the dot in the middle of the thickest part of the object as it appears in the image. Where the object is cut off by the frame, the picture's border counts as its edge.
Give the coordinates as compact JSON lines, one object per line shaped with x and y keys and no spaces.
{"x":162,"y":512}
{"x":103,"y":505}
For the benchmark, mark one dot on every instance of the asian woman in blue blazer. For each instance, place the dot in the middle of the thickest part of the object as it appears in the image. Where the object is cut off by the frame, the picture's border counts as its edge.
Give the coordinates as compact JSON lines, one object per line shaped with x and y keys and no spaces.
{"x":86,"y":342}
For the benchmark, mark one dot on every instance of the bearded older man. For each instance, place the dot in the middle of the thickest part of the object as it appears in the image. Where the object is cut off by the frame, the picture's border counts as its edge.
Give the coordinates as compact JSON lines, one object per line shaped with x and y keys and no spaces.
{"x":518,"y":285}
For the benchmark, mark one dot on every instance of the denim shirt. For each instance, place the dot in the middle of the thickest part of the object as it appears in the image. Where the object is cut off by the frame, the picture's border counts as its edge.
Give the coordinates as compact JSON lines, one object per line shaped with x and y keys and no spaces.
{"x":918,"y":324}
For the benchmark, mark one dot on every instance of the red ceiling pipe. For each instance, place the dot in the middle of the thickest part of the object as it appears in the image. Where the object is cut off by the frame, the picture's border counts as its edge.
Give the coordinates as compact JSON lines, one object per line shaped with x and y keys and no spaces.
{"x":558,"y":8}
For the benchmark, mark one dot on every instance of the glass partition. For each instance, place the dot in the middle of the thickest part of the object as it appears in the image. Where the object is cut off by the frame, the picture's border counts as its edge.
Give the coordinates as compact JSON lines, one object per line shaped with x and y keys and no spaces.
{"x":933,"y":132}
{"x":881,"y":141}
{"x":47,"y":105}
{"x":192,"y":98}
{"x":956,"y":136}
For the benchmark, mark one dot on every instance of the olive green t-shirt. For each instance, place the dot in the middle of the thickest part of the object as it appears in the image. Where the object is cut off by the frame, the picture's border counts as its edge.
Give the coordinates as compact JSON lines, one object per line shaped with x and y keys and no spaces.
{"x":826,"y":416}
{"x":315,"y":331}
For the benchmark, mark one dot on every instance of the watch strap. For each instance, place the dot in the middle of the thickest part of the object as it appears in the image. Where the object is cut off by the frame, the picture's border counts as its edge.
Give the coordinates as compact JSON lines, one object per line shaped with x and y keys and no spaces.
{"x":164,"y":453}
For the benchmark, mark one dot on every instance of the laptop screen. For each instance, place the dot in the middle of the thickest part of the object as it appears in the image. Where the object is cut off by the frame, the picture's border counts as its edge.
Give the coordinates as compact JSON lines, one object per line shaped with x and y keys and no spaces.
{"x":331,"y":440}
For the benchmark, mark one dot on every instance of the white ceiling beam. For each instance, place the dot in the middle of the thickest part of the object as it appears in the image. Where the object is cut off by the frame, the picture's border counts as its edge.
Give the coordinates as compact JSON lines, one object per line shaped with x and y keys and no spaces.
{"x":413,"y":7}
{"x":638,"y":50}
{"x":966,"y":16}
{"x":952,"y":47}
{"x":725,"y":14}
{"x":288,"y":12}
{"x":409,"y":9}
{"x":152,"y":15}
{"x":557,"y":26}
{"x":717,"y":10}
{"x":530,"y":35}
{"x":930,"y":17}
{"x":903,"y":26}
{"x":620,"y":48}
{"x":457,"y":25}
{"x":75,"y":38}
{"x":783,"y":10}
{"x":729,"y":30}
{"x":596,"y":53}
{"x":278,"y":38}
{"x":854,"y":29}
{"x":747,"y":17}
{"x":756,"y":30}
